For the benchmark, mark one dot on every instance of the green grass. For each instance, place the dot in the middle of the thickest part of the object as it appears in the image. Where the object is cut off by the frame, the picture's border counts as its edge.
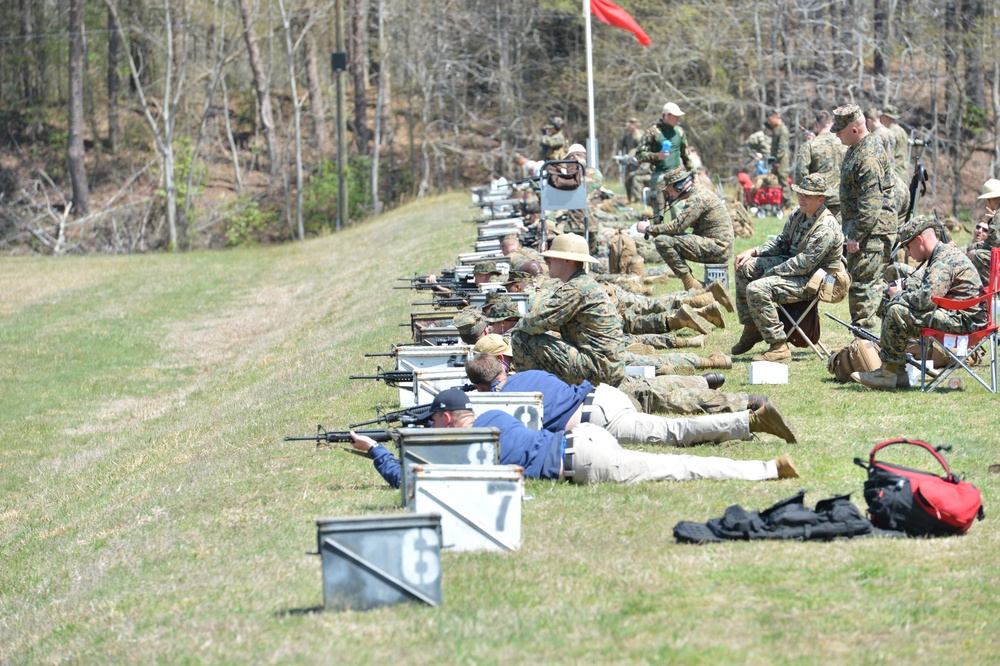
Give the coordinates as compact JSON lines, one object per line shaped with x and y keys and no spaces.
{"x":149,"y":511}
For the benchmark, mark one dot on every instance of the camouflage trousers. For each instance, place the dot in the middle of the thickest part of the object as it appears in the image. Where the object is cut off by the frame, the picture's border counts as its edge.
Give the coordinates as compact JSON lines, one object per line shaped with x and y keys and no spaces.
{"x":552,"y":354}
{"x":657,"y":340}
{"x":644,"y":305}
{"x":674,"y":363}
{"x":900,"y":324}
{"x":635,"y":324}
{"x":757,"y":295}
{"x":635,"y":180}
{"x":867,"y":269}
{"x":667,"y":395}
{"x":675,"y":249}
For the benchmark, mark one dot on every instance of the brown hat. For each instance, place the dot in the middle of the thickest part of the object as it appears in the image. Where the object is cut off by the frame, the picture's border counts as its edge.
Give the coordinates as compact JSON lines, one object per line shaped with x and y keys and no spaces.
{"x":814,"y":185}
{"x":913,"y":227}
{"x":676,"y":175}
{"x":844,"y":116}
{"x":571,"y":247}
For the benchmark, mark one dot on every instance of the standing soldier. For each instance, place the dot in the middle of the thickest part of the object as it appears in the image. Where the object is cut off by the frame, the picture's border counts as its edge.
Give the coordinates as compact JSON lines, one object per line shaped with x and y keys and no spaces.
{"x":664,"y":146}
{"x":900,"y":159}
{"x":823,"y":155}
{"x":711,"y":237}
{"x":629,"y":146}
{"x":873,"y":121}
{"x":553,"y":144}
{"x":779,"y":150}
{"x":867,"y":210}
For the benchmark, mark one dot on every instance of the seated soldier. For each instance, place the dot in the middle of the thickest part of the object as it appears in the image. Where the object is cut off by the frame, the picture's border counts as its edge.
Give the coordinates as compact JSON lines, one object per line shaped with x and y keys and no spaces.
{"x":590,"y":343}
{"x":582,"y":454}
{"x":947,"y":273}
{"x":565,"y":405}
{"x":778,"y":270}
{"x":711,"y":237}
{"x":517,"y":254}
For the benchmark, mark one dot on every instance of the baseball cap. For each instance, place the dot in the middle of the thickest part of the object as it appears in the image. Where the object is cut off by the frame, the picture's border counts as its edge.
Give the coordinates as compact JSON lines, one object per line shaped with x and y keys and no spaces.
{"x":450,"y":400}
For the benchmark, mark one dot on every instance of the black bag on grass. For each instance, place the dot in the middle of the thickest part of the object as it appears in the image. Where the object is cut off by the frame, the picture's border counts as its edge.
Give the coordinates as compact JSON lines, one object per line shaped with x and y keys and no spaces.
{"x":916,"y":502}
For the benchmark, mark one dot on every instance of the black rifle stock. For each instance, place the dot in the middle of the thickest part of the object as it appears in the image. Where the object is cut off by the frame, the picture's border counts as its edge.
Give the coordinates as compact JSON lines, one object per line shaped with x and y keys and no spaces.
{"x":390,"y":377}
{"x":865,"y":334}
{"x":324,"y":438}
{"x":416,"y":416}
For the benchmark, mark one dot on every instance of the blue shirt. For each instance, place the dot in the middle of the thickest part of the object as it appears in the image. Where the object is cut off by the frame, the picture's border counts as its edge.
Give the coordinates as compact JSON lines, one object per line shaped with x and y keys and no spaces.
{"x":539,"y":452}
{"x":559,"y":399}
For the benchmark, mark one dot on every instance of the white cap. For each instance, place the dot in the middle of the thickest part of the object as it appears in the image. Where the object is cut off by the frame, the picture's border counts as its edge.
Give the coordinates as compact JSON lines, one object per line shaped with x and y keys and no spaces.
{"x":576,"y":148}
{"x":672,"y":109}
{"x":991,"y":189}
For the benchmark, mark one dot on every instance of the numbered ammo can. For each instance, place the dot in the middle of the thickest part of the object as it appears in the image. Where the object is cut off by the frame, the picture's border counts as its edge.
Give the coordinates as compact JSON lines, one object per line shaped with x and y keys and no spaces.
{"x":444,"y":446}
{"x":374,"y":561}
{"x":480,"y":507}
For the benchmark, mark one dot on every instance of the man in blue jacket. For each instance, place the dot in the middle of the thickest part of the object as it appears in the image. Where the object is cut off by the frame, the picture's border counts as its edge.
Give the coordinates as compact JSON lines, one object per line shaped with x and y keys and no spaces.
{"x":582,"y":454}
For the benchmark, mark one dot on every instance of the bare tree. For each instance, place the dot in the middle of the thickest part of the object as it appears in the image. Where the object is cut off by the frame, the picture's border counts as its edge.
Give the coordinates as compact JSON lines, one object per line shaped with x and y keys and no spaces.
{"x":358,"y":63}
{"x":261,"y":85}
{"x":74,"y":144}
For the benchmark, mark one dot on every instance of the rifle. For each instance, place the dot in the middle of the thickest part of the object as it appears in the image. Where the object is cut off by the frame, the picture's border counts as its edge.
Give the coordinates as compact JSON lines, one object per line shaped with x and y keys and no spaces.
{"x":416,"y":416}
{"x":865,"y":334}
{"x":324,"y":438}
{"x":390,"y":377}
{"x":447,"y":302}
{"x":918,"y":188}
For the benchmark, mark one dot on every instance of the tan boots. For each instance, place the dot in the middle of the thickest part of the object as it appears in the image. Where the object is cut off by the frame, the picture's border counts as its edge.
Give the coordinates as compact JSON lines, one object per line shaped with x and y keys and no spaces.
{"x":748,"y":339}
{"x":686,"y":317}
{"x":770,"y":420}
{"x":777,"y":353}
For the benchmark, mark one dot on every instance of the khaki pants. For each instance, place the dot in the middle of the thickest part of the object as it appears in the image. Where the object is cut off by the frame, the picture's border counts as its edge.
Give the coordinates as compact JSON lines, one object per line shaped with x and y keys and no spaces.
{"x":597,"y":457}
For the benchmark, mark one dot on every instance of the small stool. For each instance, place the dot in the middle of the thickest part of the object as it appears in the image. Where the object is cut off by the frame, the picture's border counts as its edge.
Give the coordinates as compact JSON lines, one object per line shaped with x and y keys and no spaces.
{"x":718,"y":272}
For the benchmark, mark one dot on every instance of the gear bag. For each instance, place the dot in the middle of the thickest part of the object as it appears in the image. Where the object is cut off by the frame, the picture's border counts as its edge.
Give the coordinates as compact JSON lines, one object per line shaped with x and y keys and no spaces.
{"x":623,"y":255}
{"x":916,"y":502}
{"x":858,"y":356}
{"x":564,"y":175}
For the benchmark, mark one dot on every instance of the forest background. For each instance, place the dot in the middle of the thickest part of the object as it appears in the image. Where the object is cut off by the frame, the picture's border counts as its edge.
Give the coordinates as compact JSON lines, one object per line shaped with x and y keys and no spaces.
{"x":130,"y":126}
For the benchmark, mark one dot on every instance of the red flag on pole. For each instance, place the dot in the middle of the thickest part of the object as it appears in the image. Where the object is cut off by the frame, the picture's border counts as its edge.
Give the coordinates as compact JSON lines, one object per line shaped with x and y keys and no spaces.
{"x":610,"y":13}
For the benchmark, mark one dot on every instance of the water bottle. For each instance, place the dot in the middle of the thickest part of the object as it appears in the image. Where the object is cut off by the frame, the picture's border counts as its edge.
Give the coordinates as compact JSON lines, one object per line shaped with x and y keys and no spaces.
{"x":955,"y":384}
{"x":666,"y":146}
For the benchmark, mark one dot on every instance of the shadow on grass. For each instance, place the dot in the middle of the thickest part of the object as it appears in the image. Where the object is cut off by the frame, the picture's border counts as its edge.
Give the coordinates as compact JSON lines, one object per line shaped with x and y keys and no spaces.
{"x":299,"y":612}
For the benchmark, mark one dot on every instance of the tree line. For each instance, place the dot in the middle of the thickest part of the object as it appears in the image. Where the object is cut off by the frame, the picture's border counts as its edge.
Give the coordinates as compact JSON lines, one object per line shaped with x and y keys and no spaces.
{"x":132,"y":125}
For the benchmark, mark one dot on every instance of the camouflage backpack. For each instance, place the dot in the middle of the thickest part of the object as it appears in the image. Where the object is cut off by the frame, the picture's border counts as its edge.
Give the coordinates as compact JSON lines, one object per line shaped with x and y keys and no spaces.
{"x":623,"y":256}
{"x":742,"y":220}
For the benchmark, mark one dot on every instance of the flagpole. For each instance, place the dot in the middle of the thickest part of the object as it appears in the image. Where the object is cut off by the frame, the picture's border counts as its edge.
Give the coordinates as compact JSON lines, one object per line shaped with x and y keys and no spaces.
{"x":592,"y":140}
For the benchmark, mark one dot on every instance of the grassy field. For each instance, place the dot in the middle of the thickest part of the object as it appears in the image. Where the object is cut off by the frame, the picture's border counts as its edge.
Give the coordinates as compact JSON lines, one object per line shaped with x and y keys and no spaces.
{"x":150,"y":511}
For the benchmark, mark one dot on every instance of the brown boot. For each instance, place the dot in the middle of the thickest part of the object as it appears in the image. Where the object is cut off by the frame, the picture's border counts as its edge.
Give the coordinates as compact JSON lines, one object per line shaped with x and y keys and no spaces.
{"x":713,"y":313}
{"x":686,"y":317}
{"x":693,"y":341}
{"x":699,"y":300}
{"x":886,"y":378}
{"x":786,"y":469}
{"x":770,"y":420}
{"x":716,"y":360}
{"x":778,"y":353}
{"x":714,"y":379}
{"x":748,"y":339}
{"x":687,"y":279}
{"x":718,"y":290}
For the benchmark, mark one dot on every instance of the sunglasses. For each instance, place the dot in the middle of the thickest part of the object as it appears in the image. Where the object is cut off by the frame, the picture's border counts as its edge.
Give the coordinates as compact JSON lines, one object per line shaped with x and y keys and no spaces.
{"x":981,"y":228}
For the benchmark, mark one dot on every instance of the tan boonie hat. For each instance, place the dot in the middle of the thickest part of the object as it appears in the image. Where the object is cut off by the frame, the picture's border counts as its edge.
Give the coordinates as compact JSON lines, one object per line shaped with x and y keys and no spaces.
{"x":469,"y":321}
{"x":489,"y":267}
{"x":991,"y":189}
{"x":672,"y":109}
{"x":493,"y":344}
{"x":844,"y":116}
{"x":913,"y":227}
{"x":814,"y":184}
{"x":571,"y":247}
{"x":503,"y":311}
{"x":676,"y":175}
{"x":576,"y":148}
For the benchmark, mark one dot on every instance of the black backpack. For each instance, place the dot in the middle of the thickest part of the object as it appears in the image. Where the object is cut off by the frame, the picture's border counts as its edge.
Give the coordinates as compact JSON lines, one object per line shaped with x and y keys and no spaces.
{"x":916,"y":502}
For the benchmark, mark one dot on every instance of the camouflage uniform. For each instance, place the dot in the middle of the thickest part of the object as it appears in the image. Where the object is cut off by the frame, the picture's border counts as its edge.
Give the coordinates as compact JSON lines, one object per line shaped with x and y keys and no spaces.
{"x":948,"y":273}
{"x":823,"y":155}
{"x":523,"y":255}
{"x":630,"y":146}
{"x":868,"y":216}
{"x":758,"y":142}
{"x":671,"y":363}
{"x":783,"y":266}
{"x":652,"y":142}
{"x":779,"y":151}
{"x":888,"y":141}
{"x":899,"y":153}
{"x":711,"y":240}
{"x":981,"y":251}
{"x":553,"y":146}
{"x":901,"y":198}
{"x":590,"y":347}
{"x":674,"y":394}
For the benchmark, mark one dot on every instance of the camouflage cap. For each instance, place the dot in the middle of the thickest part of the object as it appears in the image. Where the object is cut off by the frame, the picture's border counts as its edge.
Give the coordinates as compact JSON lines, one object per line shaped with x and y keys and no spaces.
{"x":814,"y":185}
{"x":913,"y":227}
{"x":511,"y":236}
{"x":556,"y":122}
{"x":518,"y":276}
{"x":493,"y":344}
{"x":844,"y":116}
{"x":676,"y":175}
{"x":469,"y":320}
{"x":496,"y":298}
{"x":891,"y":111}
{"x":489,"y":267}
{"x":502,"y":311}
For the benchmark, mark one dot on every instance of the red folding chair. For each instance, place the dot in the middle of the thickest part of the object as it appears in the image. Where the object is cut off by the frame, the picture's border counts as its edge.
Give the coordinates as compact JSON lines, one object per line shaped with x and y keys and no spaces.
{"x":961,"y":348}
